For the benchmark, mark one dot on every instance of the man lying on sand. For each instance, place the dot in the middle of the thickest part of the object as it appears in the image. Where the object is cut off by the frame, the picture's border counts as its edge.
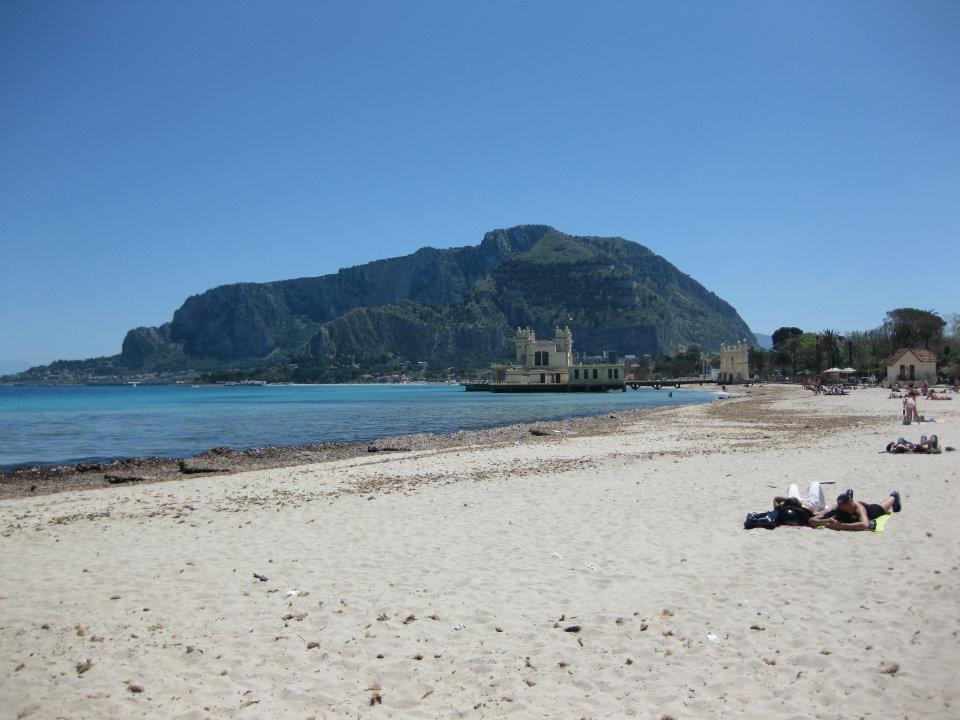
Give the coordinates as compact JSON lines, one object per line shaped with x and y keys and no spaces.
{"x":926,"y":446}
{"x":853,"y":515}
{"x":813,"y":501}
{"x":789,"y":509}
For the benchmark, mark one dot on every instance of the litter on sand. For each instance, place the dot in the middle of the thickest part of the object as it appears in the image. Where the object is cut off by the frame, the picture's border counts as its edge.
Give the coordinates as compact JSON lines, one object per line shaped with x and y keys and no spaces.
{"x":713,"y":638}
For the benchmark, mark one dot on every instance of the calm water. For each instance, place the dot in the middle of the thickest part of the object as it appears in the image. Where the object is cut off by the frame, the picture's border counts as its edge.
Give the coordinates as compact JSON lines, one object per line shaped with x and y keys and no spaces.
{"x":77,"y":424}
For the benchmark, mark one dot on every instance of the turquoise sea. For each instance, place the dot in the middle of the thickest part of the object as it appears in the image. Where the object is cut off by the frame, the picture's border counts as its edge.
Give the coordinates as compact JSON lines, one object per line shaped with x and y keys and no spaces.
{"x":53,"y":425}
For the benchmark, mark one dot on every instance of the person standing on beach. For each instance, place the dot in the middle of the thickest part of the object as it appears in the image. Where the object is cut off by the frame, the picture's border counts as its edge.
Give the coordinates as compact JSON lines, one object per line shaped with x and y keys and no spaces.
{"x":910,"y":408}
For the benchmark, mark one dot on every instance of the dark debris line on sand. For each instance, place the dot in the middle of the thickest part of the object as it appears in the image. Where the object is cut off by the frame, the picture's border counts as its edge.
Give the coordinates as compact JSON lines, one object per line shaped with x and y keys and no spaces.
{"x":23,"y":482}
{"x":227,"y":461}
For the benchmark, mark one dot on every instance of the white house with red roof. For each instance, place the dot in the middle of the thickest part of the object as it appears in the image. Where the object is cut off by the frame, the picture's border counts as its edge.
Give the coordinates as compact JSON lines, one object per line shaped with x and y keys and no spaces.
{"x":912,"y":365}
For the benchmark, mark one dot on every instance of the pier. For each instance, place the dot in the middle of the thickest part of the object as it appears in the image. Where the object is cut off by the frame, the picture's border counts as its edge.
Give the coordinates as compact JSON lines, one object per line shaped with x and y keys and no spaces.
{"x":657,"y":384}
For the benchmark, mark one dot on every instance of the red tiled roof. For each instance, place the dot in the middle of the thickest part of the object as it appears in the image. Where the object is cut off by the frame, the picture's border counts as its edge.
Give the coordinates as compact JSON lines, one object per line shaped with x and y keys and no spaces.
{"x":921,"y":355}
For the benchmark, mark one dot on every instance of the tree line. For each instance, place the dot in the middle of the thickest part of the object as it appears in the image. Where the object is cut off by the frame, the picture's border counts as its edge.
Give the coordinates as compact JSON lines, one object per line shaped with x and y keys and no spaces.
{"x":802,"y":352}
{"x":799,"y":352}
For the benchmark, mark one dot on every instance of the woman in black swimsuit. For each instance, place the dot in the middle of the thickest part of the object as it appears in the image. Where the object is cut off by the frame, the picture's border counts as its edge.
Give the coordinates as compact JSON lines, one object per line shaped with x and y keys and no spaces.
{"x":850,"y":514}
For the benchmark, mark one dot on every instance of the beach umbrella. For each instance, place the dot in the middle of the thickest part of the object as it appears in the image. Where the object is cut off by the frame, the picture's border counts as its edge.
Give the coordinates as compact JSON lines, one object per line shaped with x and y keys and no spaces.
{"x":832,"y":371}
{"x":848,"y":371}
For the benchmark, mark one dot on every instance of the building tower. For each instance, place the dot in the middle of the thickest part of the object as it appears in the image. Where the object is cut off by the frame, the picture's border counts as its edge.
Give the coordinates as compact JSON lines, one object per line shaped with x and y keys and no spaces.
{"x":564,"y":343}
{"x":525,"y":337}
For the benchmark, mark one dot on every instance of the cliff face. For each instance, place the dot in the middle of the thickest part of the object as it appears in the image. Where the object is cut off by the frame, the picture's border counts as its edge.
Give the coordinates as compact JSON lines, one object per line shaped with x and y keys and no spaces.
{"x":451,"y":307}
{"x":257,"y":320}
{"x":413,"y":332}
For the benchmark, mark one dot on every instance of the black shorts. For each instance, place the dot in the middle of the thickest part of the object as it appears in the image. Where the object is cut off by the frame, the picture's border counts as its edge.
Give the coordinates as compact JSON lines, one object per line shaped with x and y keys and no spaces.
{"x":873,"y":512}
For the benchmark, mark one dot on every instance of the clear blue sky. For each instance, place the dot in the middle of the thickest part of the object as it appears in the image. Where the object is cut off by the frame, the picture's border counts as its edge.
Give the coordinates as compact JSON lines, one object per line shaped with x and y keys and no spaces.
{"x":801,"y":160}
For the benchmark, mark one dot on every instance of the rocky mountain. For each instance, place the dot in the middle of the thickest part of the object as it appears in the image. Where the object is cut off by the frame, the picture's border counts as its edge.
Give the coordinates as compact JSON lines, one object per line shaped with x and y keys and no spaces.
{"x":454,"y":307}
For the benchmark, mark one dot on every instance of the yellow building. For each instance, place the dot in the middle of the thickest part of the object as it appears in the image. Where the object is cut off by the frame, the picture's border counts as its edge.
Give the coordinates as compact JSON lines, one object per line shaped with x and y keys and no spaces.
{"x":547,"y":366}
{"x":734,"y":362}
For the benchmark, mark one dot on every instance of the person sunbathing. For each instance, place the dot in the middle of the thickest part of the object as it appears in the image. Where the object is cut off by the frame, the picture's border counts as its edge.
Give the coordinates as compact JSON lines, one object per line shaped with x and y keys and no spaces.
{"x":937,"y":396}
{"x":853,"y":515}
{"x":899,"y":446}
{"x":926,"y":445}
{"x":789,"y":509}
{"x":812,"y":501}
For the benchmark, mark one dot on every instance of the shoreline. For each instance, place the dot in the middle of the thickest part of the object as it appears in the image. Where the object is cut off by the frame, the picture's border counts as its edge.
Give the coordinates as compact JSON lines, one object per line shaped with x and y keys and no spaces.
{"x":34,"y":480}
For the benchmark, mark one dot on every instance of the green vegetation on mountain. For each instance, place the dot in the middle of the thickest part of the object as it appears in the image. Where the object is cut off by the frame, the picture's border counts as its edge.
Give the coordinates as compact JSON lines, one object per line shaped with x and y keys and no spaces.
{"x":450,"y":308}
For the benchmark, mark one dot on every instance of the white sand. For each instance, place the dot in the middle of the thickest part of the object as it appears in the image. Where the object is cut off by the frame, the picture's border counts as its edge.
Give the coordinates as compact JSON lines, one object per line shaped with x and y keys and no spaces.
{"x":653,"y":560}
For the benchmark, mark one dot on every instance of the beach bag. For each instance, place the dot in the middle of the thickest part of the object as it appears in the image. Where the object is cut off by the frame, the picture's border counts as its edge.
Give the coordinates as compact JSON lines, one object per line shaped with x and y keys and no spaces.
{"x":767,"y":520}
{"x":791,"y":512}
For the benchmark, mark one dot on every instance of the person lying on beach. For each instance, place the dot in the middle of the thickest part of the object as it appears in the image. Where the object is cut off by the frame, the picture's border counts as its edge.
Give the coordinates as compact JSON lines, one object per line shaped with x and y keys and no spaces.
{"x":789,"y":509}
{"x":937,"y":396}
{"x":812,"y":501}
{"x":899,"y":446}
{"x":853,"y":515}
{"x":926,"y":445}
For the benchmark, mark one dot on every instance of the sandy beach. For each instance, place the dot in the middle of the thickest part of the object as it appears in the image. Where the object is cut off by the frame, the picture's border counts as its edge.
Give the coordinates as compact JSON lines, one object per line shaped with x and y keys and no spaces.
{"x":581,"y":575}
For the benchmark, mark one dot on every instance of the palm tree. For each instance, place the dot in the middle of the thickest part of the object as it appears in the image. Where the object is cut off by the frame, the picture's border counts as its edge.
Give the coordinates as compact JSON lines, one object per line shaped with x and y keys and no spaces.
{"x":829,"y":343}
